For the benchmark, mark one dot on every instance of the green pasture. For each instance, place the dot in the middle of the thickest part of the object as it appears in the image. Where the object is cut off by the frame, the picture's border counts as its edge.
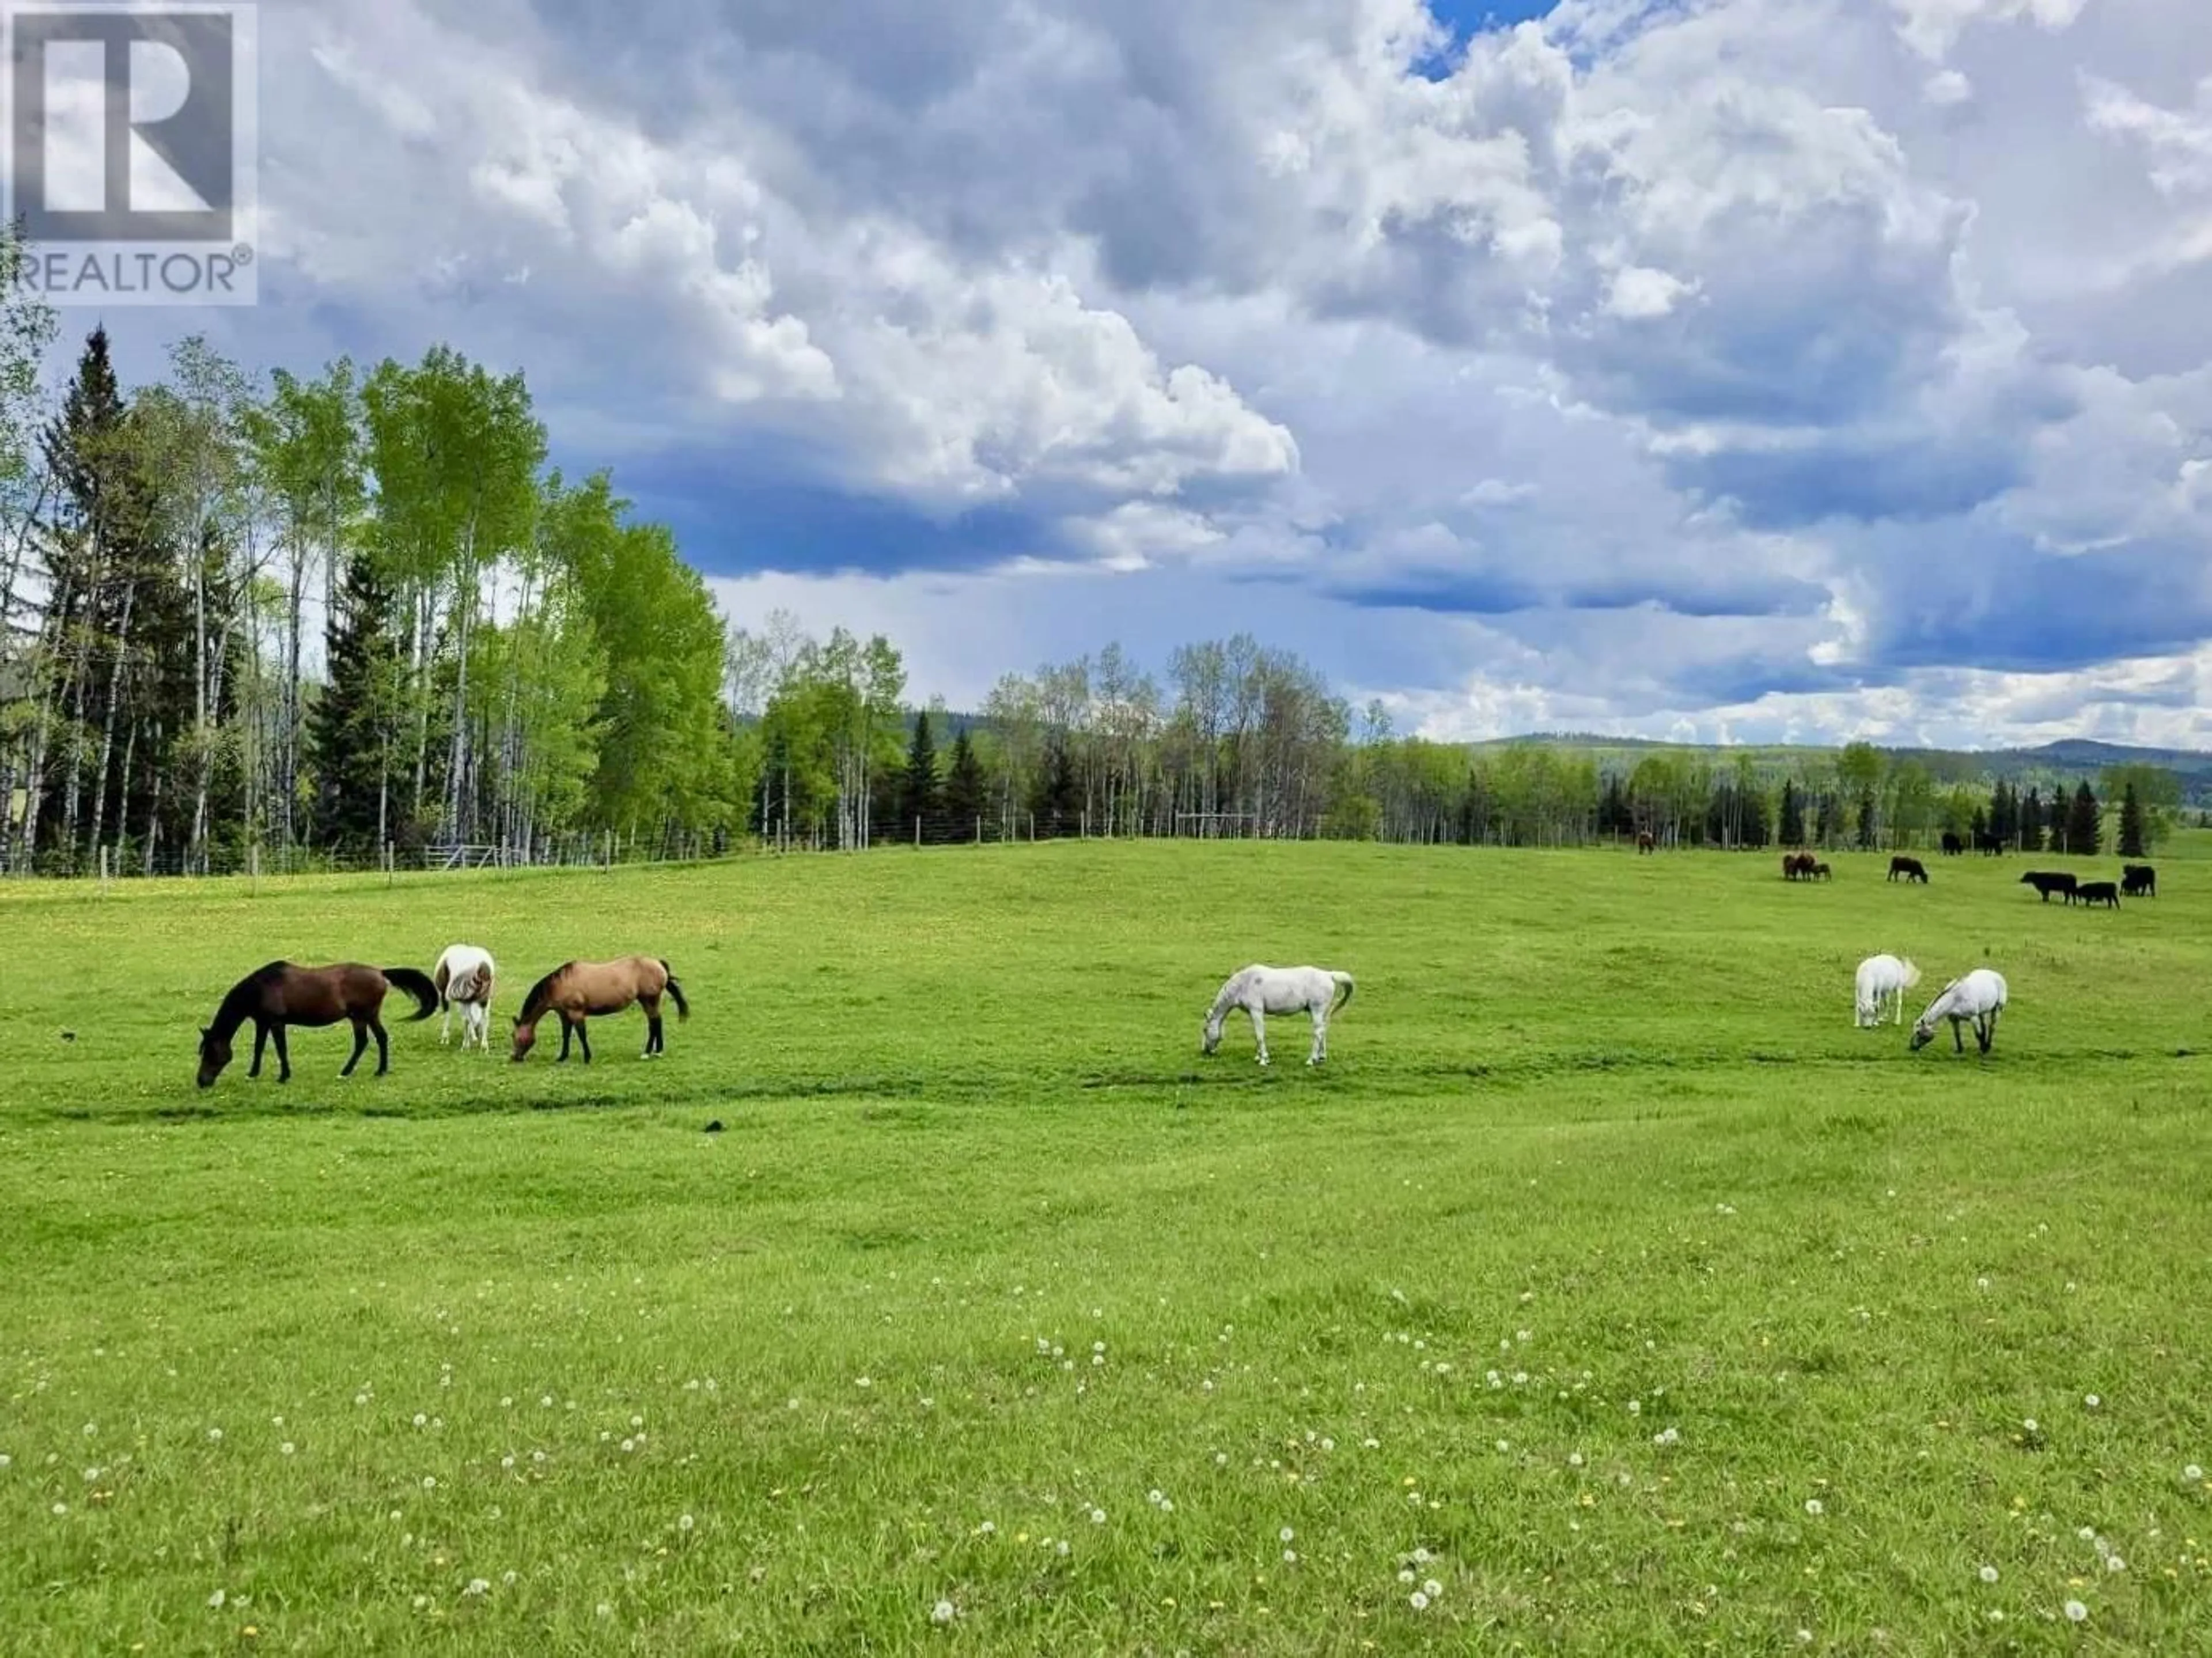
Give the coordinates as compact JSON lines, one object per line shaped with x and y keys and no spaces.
{"x":1606,"y":1292}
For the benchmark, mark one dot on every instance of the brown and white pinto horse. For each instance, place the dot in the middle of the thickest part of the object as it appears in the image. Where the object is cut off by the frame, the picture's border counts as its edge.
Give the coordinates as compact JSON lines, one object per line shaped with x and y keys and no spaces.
{"x":281,"y":993}
{"x":577,"y":990}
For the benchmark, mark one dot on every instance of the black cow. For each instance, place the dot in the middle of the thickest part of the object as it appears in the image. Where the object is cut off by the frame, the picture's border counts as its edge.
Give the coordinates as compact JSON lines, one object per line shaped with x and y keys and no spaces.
{"x":2139,"y":880}
{"x":1953,"y":845}
{"x":2098,"y":892}
{"x":1989,"y":845}
{"x":1910,"y":868}
{"x":2047,"y":882}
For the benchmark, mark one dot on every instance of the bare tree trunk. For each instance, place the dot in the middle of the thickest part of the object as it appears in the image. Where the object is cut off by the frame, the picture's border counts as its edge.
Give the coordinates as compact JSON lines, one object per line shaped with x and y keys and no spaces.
{"x":117,"y":675}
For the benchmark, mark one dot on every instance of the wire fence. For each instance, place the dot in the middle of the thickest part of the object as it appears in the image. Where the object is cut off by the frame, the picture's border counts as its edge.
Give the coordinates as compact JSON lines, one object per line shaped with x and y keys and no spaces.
{"x":126,"y":861}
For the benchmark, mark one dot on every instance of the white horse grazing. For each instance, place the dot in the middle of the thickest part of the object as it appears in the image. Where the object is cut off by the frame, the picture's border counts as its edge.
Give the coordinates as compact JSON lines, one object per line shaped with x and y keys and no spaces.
{"x":1884,"y":979}
{"x":1261,"y":990}
{"x":1980,"y":996}
{"x":463,"y":976}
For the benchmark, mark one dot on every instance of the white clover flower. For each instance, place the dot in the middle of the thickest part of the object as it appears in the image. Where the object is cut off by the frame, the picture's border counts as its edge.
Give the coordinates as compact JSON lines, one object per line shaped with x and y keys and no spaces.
{"x":478,"y":1586}
{"x":215,"y":1435}
{"x":2192,"y":1473}
{"x":942,"y":1612}
{"x":1813,"y":1507}
{"x":285,"y":1449}
{"x":2091,"y":1400}
{"x":1285,"y":1534}
{"x":217,"y":1599}
{"x":1098,"y":1517}
{"x":1989,"y":1574}
{"x":421,"y":1420}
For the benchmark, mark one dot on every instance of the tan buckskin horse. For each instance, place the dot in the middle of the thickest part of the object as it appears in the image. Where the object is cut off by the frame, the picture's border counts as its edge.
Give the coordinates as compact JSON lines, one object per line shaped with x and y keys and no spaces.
{"x":578,"y":990}
{"x":283,"y":993}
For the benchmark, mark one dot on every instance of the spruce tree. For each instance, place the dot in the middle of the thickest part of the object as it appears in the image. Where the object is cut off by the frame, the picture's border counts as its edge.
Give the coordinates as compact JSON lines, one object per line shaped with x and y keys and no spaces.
{"x":2084,"y":834}
{"x":348,"y":734}
{"x":919,"y":795}
{"x":2131,"y":824}
{"x":1793,"y":814}
{"x":963,"y":785}
{"x":1058,"y":798}
{"x":2031,"y":822}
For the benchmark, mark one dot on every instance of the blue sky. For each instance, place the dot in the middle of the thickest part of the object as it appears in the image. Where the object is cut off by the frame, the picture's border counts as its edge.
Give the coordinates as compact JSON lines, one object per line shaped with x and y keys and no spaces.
{"x":1719,"y":368}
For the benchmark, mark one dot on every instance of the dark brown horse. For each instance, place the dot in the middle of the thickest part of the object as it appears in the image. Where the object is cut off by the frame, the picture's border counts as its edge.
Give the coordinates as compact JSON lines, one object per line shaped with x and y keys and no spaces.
{"x":284,"y":993}
{"x":577,"y":990}
{"x":1644,"y":842}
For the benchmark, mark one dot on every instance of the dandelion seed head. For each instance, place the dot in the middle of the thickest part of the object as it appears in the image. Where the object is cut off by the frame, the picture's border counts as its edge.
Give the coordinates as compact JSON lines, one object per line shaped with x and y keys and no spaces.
{"x":1989,"y":1574}
{"x":942,"y":1612}
{"x":2075,"y":1612}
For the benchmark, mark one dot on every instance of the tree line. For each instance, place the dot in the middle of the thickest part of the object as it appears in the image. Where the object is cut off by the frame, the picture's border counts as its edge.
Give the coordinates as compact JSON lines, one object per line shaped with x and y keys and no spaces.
{"x":358,"y":615}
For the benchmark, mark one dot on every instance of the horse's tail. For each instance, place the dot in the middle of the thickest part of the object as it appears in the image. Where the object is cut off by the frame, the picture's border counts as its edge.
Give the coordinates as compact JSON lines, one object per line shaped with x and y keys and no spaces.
{"x":416,"y":983}
{"x":683,"y":1007}
{"x":1911,"y":974}
{"x":1344,"y":982}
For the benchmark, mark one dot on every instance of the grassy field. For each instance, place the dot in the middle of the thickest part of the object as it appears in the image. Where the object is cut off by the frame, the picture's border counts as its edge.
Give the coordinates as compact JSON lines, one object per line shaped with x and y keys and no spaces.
{"x":1608,"y":1291}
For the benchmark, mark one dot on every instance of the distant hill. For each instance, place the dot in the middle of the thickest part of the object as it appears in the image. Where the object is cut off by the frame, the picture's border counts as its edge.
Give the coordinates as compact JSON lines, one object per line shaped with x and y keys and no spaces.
{"x":2068,"y":759}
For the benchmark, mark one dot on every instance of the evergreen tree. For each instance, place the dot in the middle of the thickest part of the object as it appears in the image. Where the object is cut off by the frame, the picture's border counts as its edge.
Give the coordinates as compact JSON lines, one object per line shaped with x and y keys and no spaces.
{"x":350,"y":725}
{"x":920,"y":795}
{"x":1793,"y":814}
{"x":1867,"y":822}
{"x":2004,"y":813}
{"x":1058,"y":800}
{"x":2084,"y":832}
{"x":963,"y":785}
{"x":1823,"y":827}
{"x":2031,"y":822}
{"x":2131,"y":824}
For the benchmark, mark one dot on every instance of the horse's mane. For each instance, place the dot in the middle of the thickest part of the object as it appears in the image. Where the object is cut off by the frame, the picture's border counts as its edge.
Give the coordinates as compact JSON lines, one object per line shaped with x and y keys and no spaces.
{"x":238,"y":1001}
{"x":541,"y":993}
